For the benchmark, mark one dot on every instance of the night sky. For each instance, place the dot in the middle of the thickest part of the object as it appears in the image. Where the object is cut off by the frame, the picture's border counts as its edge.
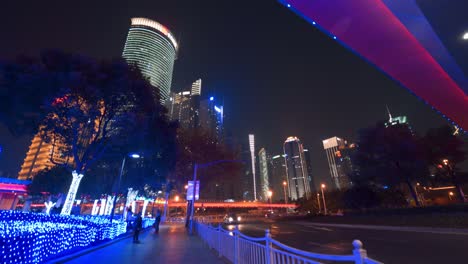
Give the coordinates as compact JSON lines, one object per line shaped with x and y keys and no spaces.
{"x":278,"y":75}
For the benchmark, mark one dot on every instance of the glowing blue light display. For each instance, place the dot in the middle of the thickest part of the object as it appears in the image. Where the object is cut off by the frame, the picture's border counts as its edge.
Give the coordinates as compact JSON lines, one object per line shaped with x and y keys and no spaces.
{"x":211,"y":98}
{"x":34,"y":238}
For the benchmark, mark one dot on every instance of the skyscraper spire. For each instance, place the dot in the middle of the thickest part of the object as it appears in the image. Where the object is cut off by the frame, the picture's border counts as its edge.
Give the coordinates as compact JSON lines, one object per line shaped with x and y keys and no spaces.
{"x":389,"y":114}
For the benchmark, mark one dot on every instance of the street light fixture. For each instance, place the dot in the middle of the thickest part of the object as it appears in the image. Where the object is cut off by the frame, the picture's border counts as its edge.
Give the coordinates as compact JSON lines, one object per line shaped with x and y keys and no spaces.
{"x":323,"y":198}
{"x":284,"y":190}
{"x":270,"y":193}
{"x":133,"y":156}
{"x":318,"y":202}
{"x":465,"y":36}
{"x":450,"y":195}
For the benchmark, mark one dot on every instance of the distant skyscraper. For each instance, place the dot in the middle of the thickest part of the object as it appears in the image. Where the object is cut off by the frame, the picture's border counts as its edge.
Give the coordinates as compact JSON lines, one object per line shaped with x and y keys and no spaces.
{"x":252,"y":156}
{"x":153,"y":48}
{"x":399,"y":120}
{"x":185,"y":106}
{"x":211,"y":114}
{"x":339,"y":161}
{"x":278,"y":175}
{"x":39,"y":157}
{"x":296,"y":169}
{"x":264,"y":174}
{"x":309,"y":170}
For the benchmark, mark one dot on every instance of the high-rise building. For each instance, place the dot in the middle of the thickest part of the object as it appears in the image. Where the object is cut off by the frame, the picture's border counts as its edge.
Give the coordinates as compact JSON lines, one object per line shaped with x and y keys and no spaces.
{"x":309,"y":170}
{"x":185,"y":106}
{"x":40,"y":156}
{"x":252,"y":158}
{"x":153,"y":48}
{"x":264,"y":174}
{"x":339,"y":161}
{"x":296,"y":169}
{"x":211,"y":116}
{"x":278,"y":176}
{"x":399,"y":120}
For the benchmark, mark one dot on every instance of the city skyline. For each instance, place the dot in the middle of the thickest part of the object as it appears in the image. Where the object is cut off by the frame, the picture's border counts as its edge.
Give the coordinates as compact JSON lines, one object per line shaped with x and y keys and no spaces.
{"x":325,"y":81}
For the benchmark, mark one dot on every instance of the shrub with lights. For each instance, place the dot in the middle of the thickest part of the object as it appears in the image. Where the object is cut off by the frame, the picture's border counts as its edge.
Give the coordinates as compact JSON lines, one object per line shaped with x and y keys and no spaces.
{"x":34,"y":238}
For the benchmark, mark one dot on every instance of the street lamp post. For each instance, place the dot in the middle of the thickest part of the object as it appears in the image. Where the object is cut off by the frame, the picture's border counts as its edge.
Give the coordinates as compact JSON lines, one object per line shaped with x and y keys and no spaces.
{"x":195,"y":169}
{"x":318,"y":202}
{"x":270,"y":193}
{"x":285,"y":196}
{"x":450,"y":195}
{"x":284,"y":190}
{"x":134,"y":156}
{"x":323,"y":198}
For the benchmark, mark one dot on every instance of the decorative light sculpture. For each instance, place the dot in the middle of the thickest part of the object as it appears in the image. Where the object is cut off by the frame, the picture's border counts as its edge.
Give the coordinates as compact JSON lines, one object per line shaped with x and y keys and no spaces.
{"x":110,"y":202}
{"x":145,"y":204}
{"x":103,"y":207}
{"x":68,"y":205}
{"x":49,"y":206}
{"x":95,"y":207}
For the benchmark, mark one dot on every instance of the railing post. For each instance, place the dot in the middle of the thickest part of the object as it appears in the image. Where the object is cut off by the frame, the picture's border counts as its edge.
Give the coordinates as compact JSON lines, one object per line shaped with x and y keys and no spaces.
{"x":236,"y":245}
{"x":268,"y":247}
{"x":359,"y":253}
{"x":219,"y":241}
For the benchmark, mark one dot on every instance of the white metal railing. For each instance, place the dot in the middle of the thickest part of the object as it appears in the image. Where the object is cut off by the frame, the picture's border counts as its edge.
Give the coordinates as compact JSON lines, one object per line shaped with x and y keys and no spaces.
{"x":239,"y":248}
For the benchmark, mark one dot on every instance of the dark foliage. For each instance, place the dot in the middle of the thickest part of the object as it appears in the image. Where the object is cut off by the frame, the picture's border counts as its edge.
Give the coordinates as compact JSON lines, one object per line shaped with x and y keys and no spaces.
{"x":53,"y":181}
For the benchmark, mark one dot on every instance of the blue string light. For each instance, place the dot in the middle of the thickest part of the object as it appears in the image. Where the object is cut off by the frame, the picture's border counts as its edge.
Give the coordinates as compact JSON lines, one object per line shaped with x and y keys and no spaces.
{"x":33,"y":238}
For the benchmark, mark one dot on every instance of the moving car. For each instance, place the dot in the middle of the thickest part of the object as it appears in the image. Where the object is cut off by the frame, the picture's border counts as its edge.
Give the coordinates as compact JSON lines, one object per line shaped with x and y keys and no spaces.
{"x":232,"y":218}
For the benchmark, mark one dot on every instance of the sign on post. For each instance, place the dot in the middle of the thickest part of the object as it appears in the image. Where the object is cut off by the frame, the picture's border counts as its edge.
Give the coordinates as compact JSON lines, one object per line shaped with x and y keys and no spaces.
{"x":190,"y":191}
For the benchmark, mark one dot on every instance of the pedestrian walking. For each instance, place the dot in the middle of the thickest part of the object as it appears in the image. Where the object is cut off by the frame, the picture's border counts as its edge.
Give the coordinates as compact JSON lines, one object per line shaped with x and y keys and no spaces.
{"x":157,"y":222}
{"x":137,"y":228}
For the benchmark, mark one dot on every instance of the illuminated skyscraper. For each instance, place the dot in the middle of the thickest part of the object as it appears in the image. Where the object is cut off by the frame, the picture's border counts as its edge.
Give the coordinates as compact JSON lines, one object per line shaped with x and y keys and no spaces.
{"x":40,"y":156}
{"x":339,"y":161}
{"x":185,"y":106}
{"x":296,"y":169}
{"x":153,"y":48}
{"x":277,"y":177}
{"x":264,"y":173}
{"x":211,"y":114}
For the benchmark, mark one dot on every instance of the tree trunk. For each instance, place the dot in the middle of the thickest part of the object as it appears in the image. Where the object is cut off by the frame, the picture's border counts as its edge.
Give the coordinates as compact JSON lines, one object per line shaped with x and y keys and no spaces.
{"x":68,"y":205}
{"x":413,"y":193}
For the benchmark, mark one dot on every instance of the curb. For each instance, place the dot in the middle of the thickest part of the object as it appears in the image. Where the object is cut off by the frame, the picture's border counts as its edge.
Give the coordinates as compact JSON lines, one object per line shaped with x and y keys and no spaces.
{"x":447,"y":231}
{"x":85,"y":251}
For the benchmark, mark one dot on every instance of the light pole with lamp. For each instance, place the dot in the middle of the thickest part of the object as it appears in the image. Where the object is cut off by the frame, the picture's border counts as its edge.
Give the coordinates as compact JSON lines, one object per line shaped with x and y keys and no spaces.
{"x":133,"y":156}
{"x":270,"y":193}
{"x":284,"y":190}
{"x":195,"y":169}
{"x":318,"y":202}
{"x":323,"y":198}
{"x":285,"y":196}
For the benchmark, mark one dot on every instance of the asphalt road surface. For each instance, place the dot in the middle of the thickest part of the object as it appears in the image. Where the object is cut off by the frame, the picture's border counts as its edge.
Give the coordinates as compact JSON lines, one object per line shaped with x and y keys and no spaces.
{"x":383,"y":245}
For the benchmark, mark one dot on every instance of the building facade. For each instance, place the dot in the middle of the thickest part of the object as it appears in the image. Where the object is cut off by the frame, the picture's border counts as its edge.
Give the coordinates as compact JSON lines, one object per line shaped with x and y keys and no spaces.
{"x":339,"y":161}
{"x":39,"y":157}
{"x":310,"y":178}
{"x":277,"y":177}
{"x":211,"y":116}
{"x":264,"y":174}
{"x":296,"y":169}
{"x":185,"y":106}
{"x":153,"y":48}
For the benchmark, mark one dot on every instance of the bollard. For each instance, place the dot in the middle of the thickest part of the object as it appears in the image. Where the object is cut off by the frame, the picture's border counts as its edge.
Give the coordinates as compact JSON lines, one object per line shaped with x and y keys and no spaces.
{"x":359,"y":253}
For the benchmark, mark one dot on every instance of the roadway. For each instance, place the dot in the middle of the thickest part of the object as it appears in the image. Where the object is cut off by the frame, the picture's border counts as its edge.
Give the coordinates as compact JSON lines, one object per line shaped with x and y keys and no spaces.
{"x":387,"y":246}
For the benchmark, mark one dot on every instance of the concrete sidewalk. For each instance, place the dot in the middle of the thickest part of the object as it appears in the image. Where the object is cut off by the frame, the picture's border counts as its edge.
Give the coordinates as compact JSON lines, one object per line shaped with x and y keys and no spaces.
{"x":172,"y":245}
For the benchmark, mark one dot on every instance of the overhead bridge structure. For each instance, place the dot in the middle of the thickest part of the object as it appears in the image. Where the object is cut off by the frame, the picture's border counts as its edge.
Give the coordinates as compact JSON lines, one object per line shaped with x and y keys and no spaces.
{"x":398,"y":37}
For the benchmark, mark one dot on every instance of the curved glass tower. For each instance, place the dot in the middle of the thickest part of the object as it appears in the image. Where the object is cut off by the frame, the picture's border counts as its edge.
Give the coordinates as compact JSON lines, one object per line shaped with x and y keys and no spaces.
{"x":153,"y":48}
